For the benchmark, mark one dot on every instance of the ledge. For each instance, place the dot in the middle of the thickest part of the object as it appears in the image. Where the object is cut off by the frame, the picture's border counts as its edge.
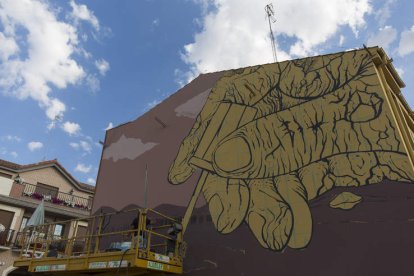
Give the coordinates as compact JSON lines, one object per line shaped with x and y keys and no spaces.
{"x":49,"y":207}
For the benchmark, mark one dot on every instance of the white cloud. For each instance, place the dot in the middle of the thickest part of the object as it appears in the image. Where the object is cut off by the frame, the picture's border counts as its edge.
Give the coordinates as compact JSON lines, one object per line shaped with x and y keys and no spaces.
{"x":400,"y":71}
{"x":50,"y":45}
{"x":151,"y":104}
{"x":85,"y":146}
{"x":383,"y":38}
{"x":341,"y":40}
{"x":85,"y":38}
{"x":14,"y":154}
{"x":93,"y":82}
{"x":83,"y":168}
{"x":12,"y":138}
{"x":71,"y":128}
{"x":34,"y":145}
{"x":55,"y":109}
{"x":110,"y":125}
{"x":407,"y":42}
{"x":235,"y":33}
{"x":384,"y":13}
{"x":102,"y":66}
{"x":181,"y":77}
{"x":156,"y":22}
{"x":8,"y":47}
{"x":52,"y":124}
{"x":81,"y":12}
{"x":91,"y":181}
{"x":74,"y":145}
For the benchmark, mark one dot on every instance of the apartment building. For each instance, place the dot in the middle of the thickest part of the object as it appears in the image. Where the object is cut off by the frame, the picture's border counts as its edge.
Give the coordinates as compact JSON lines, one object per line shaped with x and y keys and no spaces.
{"x":23,"y":187}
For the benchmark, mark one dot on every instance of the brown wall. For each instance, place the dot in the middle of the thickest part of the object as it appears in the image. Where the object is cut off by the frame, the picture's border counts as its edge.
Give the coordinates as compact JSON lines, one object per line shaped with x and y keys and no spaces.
{"x":272,"y":205}
{"x":122,"y":169}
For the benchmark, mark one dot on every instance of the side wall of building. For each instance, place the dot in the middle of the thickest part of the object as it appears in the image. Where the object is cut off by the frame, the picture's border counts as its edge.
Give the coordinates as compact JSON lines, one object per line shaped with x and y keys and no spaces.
{"x":274,"y":150}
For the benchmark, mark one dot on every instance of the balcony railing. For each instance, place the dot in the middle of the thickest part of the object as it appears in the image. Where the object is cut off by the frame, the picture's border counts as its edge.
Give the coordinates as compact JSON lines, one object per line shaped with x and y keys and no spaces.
{"x":28,"y":236}
{"x":6,"y":237}
{"x":52,"y":196}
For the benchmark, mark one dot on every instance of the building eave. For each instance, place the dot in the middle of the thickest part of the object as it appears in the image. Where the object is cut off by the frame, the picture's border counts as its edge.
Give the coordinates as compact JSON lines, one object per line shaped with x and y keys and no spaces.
{"x":49,"y":208}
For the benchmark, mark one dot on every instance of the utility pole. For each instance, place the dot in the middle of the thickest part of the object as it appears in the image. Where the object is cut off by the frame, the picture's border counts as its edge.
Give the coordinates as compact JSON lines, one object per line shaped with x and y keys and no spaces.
{"x":146,"y":187}
{"x":271,"y":18}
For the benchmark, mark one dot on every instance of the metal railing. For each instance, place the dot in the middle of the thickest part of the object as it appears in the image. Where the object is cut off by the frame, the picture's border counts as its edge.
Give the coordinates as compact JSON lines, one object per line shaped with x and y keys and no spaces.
{"x":6,"y":237}
{"x":147,"y":240}
{"x":56,"y":197}
{"x":19,"y":239}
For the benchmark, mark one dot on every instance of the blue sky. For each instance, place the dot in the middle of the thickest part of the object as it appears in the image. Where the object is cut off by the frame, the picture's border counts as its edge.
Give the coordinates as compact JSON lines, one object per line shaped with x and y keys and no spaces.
{"x":71,"y":69}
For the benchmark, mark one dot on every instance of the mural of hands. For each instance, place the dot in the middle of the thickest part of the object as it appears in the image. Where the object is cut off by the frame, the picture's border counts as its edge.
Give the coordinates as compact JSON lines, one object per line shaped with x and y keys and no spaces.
{"x":271,"y":138}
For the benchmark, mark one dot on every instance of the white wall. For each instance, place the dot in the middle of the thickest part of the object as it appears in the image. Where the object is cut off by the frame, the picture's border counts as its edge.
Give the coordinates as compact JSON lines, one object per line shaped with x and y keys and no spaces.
{"x":5,"y":185}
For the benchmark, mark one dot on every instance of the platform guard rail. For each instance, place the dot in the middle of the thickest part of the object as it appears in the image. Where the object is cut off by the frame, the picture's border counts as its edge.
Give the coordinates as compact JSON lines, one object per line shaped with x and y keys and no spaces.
{"x":110,"y":243}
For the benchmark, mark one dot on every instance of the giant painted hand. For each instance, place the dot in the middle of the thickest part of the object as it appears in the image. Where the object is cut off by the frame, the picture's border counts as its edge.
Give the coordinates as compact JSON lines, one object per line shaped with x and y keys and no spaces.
{"x":271,"y":138}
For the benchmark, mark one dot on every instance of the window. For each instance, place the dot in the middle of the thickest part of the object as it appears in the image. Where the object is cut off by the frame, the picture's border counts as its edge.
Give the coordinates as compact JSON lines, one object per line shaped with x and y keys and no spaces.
{"x":24,"y":223}
{"x":44,"y":189}
{"x":82,"y":231}
{"x":59,"y":229}
{"x":6,"y":218}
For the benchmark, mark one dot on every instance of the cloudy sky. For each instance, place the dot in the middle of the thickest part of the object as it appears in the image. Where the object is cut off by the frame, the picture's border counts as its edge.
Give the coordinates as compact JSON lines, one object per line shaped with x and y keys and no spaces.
{"x":71,"y":69}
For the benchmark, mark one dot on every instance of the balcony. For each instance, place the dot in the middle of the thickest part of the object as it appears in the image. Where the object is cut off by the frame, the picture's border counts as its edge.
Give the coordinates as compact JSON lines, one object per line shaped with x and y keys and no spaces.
{"x":51,"y":195}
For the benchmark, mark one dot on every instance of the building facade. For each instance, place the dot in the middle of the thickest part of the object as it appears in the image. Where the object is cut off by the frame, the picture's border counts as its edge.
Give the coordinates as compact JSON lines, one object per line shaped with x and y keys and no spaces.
{"x":23,"y":187}
{"x":302,"y":167}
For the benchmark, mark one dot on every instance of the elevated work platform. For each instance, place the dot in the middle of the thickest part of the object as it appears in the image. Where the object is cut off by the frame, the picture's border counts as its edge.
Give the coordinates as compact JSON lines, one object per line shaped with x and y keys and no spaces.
{"x":151,"y":245}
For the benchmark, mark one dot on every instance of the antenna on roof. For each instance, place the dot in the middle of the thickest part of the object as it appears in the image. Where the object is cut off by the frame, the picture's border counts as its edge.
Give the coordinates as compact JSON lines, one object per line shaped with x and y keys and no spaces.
{"x":51,"y":126}
{"x":271,"y":18}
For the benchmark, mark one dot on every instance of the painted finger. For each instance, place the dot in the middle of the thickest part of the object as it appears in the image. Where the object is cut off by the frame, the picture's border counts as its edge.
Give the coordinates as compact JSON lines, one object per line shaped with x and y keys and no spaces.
{"x":202,"y":138}
{"x":228,"y":200}
{"x":236,"y":87}
{"x":313,"y":77}
{"x":180,"y":170}
{"x":312,"y":178}
{"x":268,"y":216}
{"x":225,"y":121}
{"x":250,"y":85}
{"x":395,"y":166}
{"x":294,"y":194}
{"x":288,"y":140}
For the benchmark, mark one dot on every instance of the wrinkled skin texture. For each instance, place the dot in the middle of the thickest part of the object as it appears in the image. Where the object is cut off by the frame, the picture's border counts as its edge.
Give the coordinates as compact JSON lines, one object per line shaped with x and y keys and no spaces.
{"x":270,"y":138}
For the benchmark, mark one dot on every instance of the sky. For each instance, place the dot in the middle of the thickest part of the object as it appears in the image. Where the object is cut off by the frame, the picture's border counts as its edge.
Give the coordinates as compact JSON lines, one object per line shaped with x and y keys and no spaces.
{"x":70,"y":70}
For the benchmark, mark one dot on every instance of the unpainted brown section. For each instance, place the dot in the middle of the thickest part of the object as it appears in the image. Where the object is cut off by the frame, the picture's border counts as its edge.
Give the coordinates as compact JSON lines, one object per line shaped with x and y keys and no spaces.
{"x":122,"y":182}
